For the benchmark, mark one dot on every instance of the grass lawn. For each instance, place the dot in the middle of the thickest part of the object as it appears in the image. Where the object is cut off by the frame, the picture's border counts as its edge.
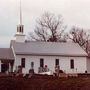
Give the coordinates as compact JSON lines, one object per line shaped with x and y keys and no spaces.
{"x":17,"y":83}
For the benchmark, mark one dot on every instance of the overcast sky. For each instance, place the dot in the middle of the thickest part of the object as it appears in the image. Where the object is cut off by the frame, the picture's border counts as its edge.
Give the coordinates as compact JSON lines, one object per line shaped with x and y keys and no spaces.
{"x":74,"y":12}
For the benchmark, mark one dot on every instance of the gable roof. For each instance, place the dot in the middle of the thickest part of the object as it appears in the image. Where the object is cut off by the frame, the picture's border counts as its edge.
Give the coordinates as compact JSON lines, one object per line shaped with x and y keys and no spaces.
{"x":6,"y":54}
{"x":48,"y":48}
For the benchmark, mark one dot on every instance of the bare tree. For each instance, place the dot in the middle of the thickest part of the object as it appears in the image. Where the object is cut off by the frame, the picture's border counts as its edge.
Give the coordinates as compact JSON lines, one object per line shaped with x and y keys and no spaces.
{"x":48,"y":28}
{"x":81,"y":37}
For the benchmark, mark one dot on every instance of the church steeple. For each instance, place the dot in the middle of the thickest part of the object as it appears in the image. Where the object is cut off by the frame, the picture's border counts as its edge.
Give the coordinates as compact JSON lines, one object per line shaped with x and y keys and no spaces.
{"x":20,"y":27}
{"x":20,"y":37}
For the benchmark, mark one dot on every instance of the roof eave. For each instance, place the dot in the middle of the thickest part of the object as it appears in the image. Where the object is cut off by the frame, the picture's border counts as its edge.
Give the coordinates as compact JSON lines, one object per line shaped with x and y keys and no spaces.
{"x":67,"y":55}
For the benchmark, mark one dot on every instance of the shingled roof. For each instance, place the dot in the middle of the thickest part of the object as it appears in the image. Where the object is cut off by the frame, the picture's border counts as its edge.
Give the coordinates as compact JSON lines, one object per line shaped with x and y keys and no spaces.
{"x":6,"y":54}
{"x":48,"y":48}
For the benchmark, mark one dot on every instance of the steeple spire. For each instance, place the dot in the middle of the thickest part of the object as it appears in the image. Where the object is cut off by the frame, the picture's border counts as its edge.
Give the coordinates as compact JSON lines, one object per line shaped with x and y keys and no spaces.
{"x":20,"y":13}
{"x":20,"y":26}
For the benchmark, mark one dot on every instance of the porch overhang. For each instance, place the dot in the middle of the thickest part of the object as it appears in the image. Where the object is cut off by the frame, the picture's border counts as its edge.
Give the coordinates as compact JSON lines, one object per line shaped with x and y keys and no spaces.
{"x":7,"y":60}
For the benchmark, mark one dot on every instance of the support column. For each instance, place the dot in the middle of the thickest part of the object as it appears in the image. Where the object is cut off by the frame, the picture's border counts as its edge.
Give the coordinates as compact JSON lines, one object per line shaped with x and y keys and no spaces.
{"x":9,"y":67}
{"x":0,"y":65}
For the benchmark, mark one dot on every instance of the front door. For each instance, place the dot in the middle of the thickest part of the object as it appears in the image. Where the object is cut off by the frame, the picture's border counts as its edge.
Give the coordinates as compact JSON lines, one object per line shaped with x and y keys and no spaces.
{"x":4,"y":67}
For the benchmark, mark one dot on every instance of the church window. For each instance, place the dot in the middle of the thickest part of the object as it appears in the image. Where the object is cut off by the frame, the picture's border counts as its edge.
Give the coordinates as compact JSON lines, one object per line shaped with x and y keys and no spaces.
{"x":23,"y":62}
{"x":32,"y":65}
{"x":41,"y":62}
{"x":57,"y":62}
{"x":72,"y":64}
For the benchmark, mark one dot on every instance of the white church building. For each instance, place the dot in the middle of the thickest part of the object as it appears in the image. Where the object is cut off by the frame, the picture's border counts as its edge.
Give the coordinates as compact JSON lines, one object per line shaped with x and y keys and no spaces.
{"x":68,"y":56}
{"x":39,"y":56}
